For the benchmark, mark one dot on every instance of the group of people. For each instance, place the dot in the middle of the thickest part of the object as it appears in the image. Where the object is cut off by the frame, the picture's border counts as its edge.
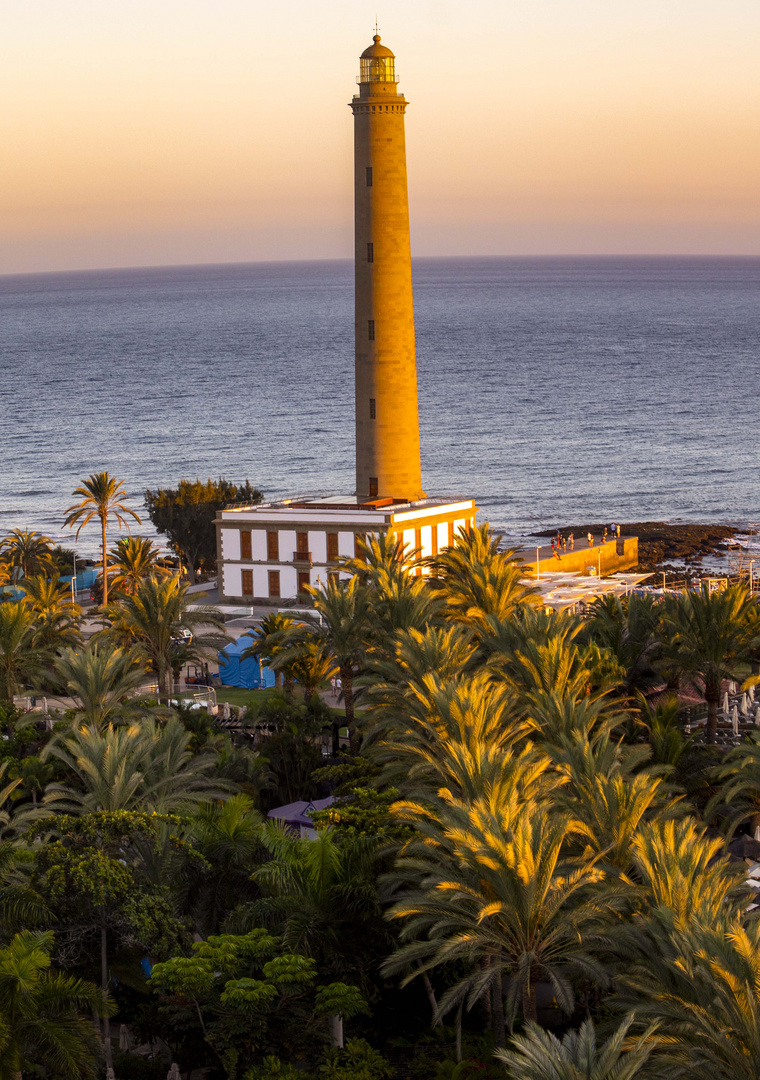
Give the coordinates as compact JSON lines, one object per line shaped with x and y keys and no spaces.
{"x":336,"y":685}
{"x":561,"y":543}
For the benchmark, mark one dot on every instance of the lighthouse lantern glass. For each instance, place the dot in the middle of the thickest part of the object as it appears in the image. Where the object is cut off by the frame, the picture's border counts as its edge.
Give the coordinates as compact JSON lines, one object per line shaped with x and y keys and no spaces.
{"x":377,"y":69}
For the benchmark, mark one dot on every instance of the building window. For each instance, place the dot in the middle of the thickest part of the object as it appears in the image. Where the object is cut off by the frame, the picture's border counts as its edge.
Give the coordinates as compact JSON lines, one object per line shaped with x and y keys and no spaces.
{"x":358,"y":545}
{"x":273,"y":547}
{"x":274,"y":582}
{"x":304,"y":579}
{"x":372,"y":409}
{"x":333,"y":577}
{"x":371,"y":329}
{"x":369,"y":176}
{"x":373,"y":487}
{"x":370,"y":253}
{"x":247,"y":582}
{"x":302,"y":546}
{"x":332,"y":547}
{"x":245,"y":544}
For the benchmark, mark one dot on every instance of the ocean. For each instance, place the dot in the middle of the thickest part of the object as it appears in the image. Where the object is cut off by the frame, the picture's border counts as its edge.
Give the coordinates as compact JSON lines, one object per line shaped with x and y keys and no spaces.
{"x":553,"y":390}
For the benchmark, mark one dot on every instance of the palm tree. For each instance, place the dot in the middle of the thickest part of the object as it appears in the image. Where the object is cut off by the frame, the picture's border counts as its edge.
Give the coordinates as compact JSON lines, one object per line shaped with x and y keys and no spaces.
{"x":269,"y":643}
{"x":708,"y":635}
{"x":146,"y":767}
{"x":29,"y":552}
{"x":41,"y":1021}
{"x":489,"y":886}
{"x":477,"y":580}
{"x":228,"y":836}
{"x":701,"y":984}
{"x":57,"y":615}
{"x":102,"y":681}
{"x":133,"y":559}
{"x":21,"y":656}
{"x":343,"y":607}
{"x":102,"y":497}
{"x":152,"y":620}
{"x":628,"y":628}
{"x":539,"y":1055}
{"x":739,"y":773}
{"x":321,"y":895}
{"x":310,"y":661}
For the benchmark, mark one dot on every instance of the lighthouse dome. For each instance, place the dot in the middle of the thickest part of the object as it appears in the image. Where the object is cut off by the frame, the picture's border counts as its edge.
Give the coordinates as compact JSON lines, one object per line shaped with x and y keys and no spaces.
{"x":376,"y":49}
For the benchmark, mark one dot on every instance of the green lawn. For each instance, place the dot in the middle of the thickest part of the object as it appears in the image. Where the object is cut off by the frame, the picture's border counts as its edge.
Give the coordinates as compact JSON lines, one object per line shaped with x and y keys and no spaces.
{"x":235,"y":695}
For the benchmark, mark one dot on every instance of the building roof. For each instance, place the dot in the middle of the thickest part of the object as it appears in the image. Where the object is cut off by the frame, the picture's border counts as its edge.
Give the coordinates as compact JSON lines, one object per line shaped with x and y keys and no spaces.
{"x":299,"y":813}
{"x":377,"y":50}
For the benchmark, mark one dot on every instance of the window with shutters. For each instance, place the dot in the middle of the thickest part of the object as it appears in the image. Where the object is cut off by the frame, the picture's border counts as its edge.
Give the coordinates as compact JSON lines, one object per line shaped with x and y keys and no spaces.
{"x":332,"y":547}
{"x":302,"y":545}
{"x":358,"y":548}
{"x":274,"y":582}
{"x":333,"y":577}
{"x":247,"y":576}
{"x":245,"y":544}
{"x":373,"y":487}
{"x":304,"y":579}
{"x":273,"y":547}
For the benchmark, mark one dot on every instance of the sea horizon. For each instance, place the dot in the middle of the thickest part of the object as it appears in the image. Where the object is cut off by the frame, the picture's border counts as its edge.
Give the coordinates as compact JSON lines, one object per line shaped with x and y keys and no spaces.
{"x":552,"y":388}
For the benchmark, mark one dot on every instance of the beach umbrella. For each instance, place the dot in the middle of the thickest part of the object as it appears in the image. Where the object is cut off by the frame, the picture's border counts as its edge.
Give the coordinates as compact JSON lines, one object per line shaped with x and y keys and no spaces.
{"x":732,"y":687}
{"x":757,"y":715}
{"x":725,"y":703}
{"x":751,"y":693}
{"x":745,"y":705}
{"x":757,"y":832}
{"x":125,"y":1039}
{"x":174,"y":1073}
{"x":735,"y":720}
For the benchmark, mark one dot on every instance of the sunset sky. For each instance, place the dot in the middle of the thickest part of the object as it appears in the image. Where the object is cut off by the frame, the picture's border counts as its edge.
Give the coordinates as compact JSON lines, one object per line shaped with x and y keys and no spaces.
{"x":149,"y":132}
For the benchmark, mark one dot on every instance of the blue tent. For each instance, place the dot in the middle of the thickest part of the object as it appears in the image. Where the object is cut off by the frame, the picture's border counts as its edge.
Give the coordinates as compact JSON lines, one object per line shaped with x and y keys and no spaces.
{"x":250,"y":674}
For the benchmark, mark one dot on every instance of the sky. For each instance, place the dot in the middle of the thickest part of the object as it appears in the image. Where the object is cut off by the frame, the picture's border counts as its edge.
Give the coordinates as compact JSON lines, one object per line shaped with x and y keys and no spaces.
{"x":157,"y":132}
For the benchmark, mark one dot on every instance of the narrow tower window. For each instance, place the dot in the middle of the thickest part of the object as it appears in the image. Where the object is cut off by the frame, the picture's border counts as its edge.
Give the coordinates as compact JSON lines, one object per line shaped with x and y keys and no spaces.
{"x":370,"y":252}
{"x":372,"y":410}
{"x":373,"y":487}
{"x":369,"y":176}
{"x":371,"y":329}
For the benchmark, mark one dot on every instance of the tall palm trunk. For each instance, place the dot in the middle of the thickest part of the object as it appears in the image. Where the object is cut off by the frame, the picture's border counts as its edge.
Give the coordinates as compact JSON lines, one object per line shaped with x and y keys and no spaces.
{"x":347,"y":679}
{"x":499,"y":1026}
{"x":336,"y":1030}
{"x":530,"y":1010}
{"x":105,"y":562}
{"x":104,"y":983}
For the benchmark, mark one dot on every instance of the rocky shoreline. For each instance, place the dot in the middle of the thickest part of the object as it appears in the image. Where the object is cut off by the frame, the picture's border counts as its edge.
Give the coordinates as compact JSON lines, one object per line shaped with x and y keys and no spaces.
{"x":663,"y":547}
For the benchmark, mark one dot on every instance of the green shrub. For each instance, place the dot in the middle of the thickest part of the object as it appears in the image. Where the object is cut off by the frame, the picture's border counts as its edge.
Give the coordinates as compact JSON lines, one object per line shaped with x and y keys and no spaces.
{"x":358,"y":1061}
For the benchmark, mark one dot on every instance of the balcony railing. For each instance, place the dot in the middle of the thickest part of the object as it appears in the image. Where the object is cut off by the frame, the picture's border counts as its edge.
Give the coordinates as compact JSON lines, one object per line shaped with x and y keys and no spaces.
{"x":302,"y":556}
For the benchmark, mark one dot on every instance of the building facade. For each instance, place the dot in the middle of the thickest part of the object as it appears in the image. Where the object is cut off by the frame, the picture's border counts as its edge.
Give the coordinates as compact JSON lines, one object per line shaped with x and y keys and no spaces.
{"x":269,"y":553}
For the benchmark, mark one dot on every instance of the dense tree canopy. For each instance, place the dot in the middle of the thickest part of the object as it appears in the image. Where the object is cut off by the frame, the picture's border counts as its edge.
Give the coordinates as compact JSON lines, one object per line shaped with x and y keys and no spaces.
{"x":185,"y":515}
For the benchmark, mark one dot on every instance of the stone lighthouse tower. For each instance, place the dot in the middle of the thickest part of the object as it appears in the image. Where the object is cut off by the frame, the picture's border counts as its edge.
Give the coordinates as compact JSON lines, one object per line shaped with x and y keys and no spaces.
{"x":387,"y":418}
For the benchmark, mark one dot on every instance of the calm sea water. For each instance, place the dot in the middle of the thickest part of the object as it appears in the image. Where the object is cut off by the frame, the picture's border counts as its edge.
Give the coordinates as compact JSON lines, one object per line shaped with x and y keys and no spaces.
{"x":552,"y":390}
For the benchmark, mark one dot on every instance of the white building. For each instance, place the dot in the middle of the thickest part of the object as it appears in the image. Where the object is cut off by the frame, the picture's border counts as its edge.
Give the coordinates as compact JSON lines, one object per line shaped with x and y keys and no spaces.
{"x":268,"y":553}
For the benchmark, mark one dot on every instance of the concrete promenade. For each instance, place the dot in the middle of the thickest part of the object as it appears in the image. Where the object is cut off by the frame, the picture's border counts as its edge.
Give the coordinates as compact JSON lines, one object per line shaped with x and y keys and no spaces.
{"x":602,"y":559}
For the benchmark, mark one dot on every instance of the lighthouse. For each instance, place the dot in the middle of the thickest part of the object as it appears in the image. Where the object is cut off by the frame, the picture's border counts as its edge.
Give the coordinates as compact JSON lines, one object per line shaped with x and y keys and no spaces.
{"x":387,"y":415}
{"x":272,"y":553}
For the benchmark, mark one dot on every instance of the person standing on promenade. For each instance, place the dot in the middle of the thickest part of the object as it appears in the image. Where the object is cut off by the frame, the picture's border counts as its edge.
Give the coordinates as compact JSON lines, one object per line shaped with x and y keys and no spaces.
{"x":590,"y":538}
{"x":571,"y":541}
